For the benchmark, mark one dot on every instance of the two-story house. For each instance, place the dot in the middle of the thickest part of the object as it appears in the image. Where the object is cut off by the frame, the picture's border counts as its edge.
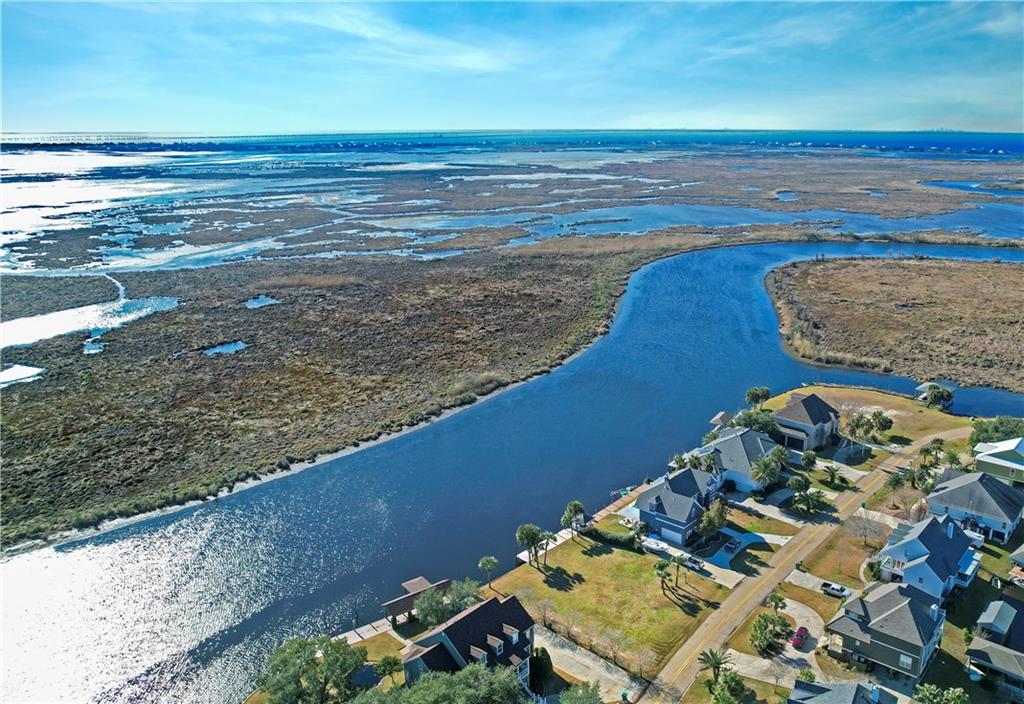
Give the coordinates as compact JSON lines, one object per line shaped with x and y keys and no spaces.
{"x":735,"y":451}
{"x":839,"y":693}
{"x":934,"y":555}
{"x":997,"y":650}
{"x":672,"y":505}
{"x":493,"y":632}
{"x":807,"y":422}
{"x":1003,"y":460}
{"x":895,"y":626}
{"x":979,"y":502}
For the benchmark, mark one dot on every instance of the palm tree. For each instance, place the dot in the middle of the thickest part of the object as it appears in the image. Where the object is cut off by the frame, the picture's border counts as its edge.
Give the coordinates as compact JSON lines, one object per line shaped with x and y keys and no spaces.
{"x":573,"y":514}
{"x":529,"y":536}
{"x":832,"y":472}
{"x":679,"y":560}
{"x":893,"y":482}
{"x":678,"y":462}
{"x":715,"y":661}
{"x":693,"y":461}
{"x":710,"y":466}
{"x":661,"y":569}
{"x":927,"y":455}
{"x":764,"y":472}
{"x":779,"y":456}
{"x":546,"y":537}
{"x":952,"y":459}
{"x":775,"y":602}
{"x":388,"y":666}
{"x":488,"y":563}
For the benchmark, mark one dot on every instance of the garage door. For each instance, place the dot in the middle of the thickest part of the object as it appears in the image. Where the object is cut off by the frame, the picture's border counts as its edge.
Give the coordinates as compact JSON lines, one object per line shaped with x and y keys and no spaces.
{"x":672,"y":536}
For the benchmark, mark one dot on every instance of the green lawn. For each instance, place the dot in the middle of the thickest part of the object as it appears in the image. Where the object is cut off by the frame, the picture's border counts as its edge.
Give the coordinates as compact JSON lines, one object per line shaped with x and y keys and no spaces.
{"x":610,"y":524}
{"x":757,"y":523}
{"x":757,"y":693}
{"x":740,"y":640}
{"x":995,"y":559}
{"x":865,"y":462}
{"x":826,"y":606}
{"x":599,"y":589}
{"x":753,"y":558}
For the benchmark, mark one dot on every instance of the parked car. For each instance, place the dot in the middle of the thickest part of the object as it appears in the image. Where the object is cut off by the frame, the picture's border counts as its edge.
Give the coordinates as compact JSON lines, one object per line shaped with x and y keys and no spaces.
{"x":833,"y":589}
{"x":693,"y":563}
{"x":800,"y":637}
{"x":732,"y":545}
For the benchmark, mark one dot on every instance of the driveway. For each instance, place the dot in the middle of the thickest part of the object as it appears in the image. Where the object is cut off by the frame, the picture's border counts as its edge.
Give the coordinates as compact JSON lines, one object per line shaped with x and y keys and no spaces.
{"x":805,"y":580}
{"x":584,"y":665}
{"x":787,"y":664}
{"x":770,"y":507}
{"x":724,"y":575}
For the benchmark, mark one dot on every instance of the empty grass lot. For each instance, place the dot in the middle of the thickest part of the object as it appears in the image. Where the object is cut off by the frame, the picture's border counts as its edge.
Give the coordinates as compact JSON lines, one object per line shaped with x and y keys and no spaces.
{"x":839,"y":559}
{"x":756,"y":523}
{"x":740,"y":640}
{"x":826,"y":606}
{"x":911,"y":420}
{"x":757,"y":693}
{"x":598,"y":588}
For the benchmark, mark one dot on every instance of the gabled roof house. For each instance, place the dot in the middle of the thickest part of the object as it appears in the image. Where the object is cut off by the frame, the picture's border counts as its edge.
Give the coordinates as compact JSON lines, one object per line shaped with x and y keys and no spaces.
{"x":493,"y":632}
{"x":735,"y":451}
{"x":979,"y":502}
{"x":807,"y":422}
{"x":997,"y":650}
{"x":672,"y":505}
{"x":934,"y":555}
{"x":839,"y":693}
{"x":897,"y":626}
{"x":1003,"y":460}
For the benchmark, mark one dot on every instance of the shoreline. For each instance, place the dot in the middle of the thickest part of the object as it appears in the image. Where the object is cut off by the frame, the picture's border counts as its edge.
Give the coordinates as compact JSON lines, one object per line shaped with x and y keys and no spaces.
{"x":601,"y":330}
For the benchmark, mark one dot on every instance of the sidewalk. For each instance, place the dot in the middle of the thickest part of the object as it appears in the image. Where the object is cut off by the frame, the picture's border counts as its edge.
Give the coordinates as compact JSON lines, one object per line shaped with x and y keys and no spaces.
{"x":584,"y":665}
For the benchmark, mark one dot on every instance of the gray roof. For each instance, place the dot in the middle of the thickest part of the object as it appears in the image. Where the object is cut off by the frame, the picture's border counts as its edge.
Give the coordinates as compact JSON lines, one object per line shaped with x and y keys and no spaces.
{"x":737,"y":449}
{"x":835,"y":693}
{"x":942,"y":553}
{"x":897,"y":610}
{"x":924,"y":387}
{"x":1018,"y":555}
{"x":998,"y":617}
{"x":1008,"y":655}
{"x":809,"y":410}
{"x":982,"y":495}
{"x":677,"y":496}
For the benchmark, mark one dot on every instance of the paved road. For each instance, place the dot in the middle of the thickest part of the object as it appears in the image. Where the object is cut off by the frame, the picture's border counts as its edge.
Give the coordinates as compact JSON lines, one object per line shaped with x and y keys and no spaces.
{"x":683,"y":670}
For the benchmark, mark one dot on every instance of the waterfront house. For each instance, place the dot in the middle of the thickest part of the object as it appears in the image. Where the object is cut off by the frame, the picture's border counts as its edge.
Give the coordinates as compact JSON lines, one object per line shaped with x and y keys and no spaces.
{"x":807,"y":422}
{"x":493,"y":632}
{"x":839,"y":693}
{"x":997,"y":650}
{"x":1003,"y":460}
{"x":979,"y":502}
{"x":672,"y":505}
{"x":933,"y":555}
{"x":735,"y":451}
{"x":895,"y":626}
{"x":923,"y":390}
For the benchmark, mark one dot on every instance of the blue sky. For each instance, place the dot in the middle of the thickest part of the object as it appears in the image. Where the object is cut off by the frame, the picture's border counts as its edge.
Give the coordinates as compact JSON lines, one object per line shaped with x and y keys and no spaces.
{"x":243,"y":68}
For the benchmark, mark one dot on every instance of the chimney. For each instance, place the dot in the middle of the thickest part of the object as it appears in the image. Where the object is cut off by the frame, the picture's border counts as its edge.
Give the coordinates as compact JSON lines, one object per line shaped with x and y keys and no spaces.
{"x":934,"y":611}
{"x":949,"y":528}
{"x":876,"y":694}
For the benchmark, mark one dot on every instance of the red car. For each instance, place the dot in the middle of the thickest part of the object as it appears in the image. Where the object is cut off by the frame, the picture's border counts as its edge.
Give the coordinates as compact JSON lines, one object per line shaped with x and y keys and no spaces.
{"x":800,"y":637}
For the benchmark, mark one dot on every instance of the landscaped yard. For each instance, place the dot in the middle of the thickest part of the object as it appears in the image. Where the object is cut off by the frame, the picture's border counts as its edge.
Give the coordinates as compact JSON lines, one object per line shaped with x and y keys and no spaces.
{"x":757,"y":693}
{"x":605,"y":592}
{"x":825,"y":605}
{"x":995,"y":559}
{"x":610,"y":524}
{"x":756,"y":523}
{"x":752,"y":559}
{"x":377,"y":647}
{"x":911,"y":420}
{"x":863,"y":461}
{"x":740,"y":640}
{"x":839,"y":559}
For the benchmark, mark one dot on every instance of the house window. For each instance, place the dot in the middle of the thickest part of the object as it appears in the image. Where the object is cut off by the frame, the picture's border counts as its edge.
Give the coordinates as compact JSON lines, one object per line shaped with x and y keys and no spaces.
{"x":514,"y":637}
{"x":498,"y":648}
{"x":482,"y":657}
{"x":906,"y":662}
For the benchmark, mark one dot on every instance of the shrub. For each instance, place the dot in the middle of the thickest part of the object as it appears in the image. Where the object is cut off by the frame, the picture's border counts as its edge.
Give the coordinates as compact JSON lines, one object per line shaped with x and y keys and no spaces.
{"x":540,"y":668}
{"x":875,"y":570}
{"x":616,"y":539}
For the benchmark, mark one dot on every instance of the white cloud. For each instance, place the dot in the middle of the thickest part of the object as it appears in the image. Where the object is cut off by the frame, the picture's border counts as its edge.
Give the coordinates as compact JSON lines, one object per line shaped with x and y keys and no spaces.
{"x":1009,"y":22}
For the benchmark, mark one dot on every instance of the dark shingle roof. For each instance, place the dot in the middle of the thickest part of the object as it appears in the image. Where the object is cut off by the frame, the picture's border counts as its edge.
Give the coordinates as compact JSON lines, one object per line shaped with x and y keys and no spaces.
{"x":1007,"y":656}
{"x":737,"y":449}
{"x":468,"y":631}
{"x":943,"y":552}
{"x":981,"y":494}
{"x":438,"y":659}
{"x":677,"y":496}
{"x":896,"y":610}
{"x":809,"y":410}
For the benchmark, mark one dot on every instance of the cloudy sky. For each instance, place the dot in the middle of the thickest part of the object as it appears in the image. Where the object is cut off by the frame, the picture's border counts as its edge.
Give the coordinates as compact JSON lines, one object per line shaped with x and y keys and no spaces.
{"x":244,"y":68}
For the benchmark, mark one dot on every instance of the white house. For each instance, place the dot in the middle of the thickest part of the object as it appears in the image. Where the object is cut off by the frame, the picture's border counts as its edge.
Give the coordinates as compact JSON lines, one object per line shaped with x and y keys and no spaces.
{"x":934,"y":555}
{"x":807,"y":422}
{"x":979,"y":502}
